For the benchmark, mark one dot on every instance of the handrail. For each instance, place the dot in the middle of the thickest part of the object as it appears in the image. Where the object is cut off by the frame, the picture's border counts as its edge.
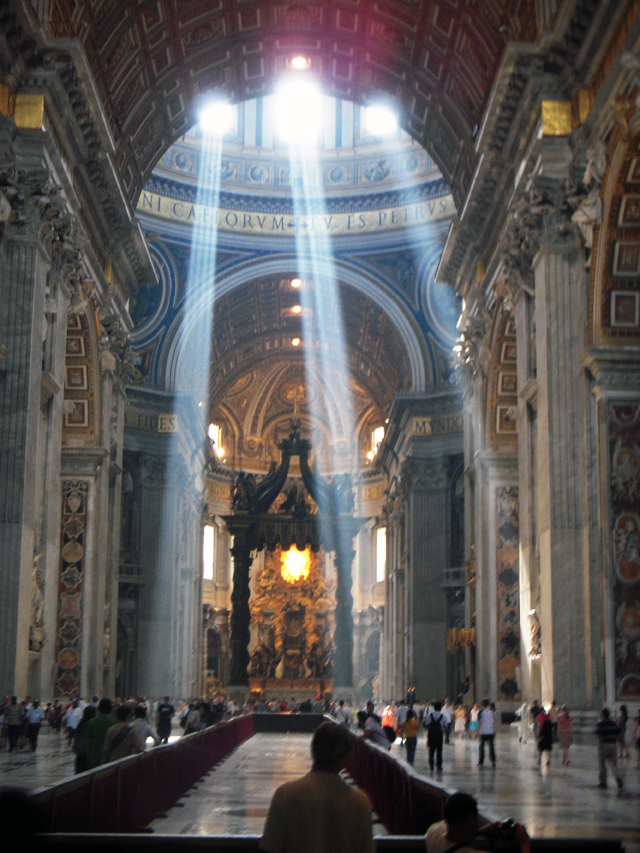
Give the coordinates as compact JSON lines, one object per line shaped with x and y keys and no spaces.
{"x":131,"y":843}
{"x":124,"y":796}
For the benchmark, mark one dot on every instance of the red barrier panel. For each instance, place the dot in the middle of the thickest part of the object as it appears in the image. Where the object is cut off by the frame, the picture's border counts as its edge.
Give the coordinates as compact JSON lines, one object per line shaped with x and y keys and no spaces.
{"x":104,"y":798}
{"x":72,"y":807}
{"x":126,"y":795}
{"x":405,"y":804}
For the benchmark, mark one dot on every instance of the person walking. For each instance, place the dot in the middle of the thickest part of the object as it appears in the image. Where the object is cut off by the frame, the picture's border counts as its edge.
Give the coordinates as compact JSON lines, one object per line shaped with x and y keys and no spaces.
{"x":553,"y":716}
{"x":80,"y":743}
{"x":535,"y":713}
{"x":35,"y":716}
{"x":487,"y":728}
{"x":95,"y":732}
{"x":341,"y":714}
{"x":410,"y":734}
{"x":607,"y":734}
{"x":622,"y":719}
{"x":474,"y":713}
{"x":164,"y":716}
{"x":447,"y":714}
{"x":433,"y":723}
{"x":13,"y":722}
{"x":545,"y":736}
{"x":122,"y":738}
{"x":565,"y":733}
{"x":460,"y":720}
{"x":143,"y":728}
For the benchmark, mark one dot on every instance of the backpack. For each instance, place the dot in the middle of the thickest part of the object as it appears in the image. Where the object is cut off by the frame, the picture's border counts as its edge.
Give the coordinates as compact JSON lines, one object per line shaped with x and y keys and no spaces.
{"x":547,"y":728}
{"x":434,"y":729}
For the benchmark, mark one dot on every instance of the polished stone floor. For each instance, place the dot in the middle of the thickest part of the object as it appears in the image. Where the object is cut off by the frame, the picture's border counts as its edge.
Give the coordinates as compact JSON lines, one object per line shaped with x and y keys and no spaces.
{"x":234,"y":797}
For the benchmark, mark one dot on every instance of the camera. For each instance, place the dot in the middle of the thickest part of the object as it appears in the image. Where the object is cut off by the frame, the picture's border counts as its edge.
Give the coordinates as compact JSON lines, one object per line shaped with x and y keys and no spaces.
{"x":499,"y":838}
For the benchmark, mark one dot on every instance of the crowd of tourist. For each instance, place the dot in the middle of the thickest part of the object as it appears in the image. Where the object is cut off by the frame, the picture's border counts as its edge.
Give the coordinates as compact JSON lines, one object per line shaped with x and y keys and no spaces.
{"x":103,"y":730}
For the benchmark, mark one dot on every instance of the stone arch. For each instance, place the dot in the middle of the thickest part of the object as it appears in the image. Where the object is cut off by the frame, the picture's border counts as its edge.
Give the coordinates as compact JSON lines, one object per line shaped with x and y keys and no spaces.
{"x":614,"y":293}
{"x":80,"y":425}
{"x":423,"y":371}
{"x":501,"y":389}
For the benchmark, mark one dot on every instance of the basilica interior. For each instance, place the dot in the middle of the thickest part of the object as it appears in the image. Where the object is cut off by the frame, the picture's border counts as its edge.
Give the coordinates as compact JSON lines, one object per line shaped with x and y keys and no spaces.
{"x":320,"y":349}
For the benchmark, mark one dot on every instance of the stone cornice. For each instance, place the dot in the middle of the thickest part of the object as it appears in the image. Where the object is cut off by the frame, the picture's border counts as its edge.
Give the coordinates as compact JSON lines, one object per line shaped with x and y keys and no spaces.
{"x":615,"y":372}
{"x":497,"y":465}
{"x":82,"y":461}
{"x":348,"y":203}
{"x":528,"y":73}
{"x":78,"y":129}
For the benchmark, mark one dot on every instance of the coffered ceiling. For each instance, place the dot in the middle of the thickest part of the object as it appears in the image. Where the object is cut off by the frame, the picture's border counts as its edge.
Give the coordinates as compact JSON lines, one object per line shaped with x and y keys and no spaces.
{"x":153,"y":59}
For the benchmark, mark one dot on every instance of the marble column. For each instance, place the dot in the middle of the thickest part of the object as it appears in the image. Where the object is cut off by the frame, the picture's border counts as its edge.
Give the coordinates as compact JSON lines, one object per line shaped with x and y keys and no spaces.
{"x":496,"y":484}
{"x":425,"y":603}
{"x":23,"y":276}
{"x":80,"y":605}
{"x":169,"y":619}
{"x":560,"y":316}
{"x":42,"y":639}
{"x":158,"y":634}
{"x":527,"y":463}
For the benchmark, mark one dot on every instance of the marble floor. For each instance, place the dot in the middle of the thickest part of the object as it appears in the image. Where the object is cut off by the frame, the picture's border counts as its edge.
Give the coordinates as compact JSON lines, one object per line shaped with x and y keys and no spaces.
{"x":233,"y":798}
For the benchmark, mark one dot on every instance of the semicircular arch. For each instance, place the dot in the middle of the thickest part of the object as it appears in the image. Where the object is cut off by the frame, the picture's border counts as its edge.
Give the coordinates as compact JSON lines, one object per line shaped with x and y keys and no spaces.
{"x":175,"y":368}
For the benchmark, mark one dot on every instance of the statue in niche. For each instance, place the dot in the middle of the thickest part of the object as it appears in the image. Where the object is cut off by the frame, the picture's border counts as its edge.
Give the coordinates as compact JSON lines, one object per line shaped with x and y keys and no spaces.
{"x":263,"y":662}
{"x":244,"y":491}
{"x":301,"y":508}
{"x":315,"y":659}
{"x":37,"y":633}
{"x":327,"y":662}
{"x":589,"y":210}
{"x":535,"y":630}
{"x":289,"y":503}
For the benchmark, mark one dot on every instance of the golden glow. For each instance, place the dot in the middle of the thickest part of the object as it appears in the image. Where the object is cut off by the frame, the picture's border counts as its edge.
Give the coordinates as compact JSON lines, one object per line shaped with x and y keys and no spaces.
{"x":295,"y":564}
{"x":296,"y":282}
{"x":300,"y":63}
{"x":296,"y":309}
{"x":295,"y":342}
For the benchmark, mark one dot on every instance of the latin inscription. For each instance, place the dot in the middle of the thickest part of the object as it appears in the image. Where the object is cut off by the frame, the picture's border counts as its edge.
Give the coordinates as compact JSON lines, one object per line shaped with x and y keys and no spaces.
{"x":340,"y":223}
{"x":149,"y":421}
{"x":437,"y":425}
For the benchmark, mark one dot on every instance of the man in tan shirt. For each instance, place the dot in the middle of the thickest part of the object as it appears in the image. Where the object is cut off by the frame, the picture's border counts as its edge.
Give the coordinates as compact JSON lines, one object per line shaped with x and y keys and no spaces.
{"x":122,"y":739}
{"x":320,"y":813}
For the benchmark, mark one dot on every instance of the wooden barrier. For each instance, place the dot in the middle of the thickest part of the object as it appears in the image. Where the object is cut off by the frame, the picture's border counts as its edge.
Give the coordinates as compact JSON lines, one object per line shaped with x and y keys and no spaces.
{"x":104,"y":808}
{"x":406,"y":804}
{"x":126,"y":795}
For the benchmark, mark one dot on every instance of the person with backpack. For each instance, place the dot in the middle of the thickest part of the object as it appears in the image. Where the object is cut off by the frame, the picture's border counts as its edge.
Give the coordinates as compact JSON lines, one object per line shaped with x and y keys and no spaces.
{"x":545,"y":736}
{"x":487,"y":728}
{"x":434,"y":724}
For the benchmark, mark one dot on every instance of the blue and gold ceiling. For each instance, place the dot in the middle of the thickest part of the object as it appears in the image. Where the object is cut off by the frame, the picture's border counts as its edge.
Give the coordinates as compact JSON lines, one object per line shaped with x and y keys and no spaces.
{"x":382,"y":210}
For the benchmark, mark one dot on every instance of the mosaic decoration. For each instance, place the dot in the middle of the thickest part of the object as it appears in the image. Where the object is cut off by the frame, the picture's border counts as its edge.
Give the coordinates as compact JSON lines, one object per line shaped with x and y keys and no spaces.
{"x":624,"y":457}
{"x":69,"y":625}
{"x":508,"y":591}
